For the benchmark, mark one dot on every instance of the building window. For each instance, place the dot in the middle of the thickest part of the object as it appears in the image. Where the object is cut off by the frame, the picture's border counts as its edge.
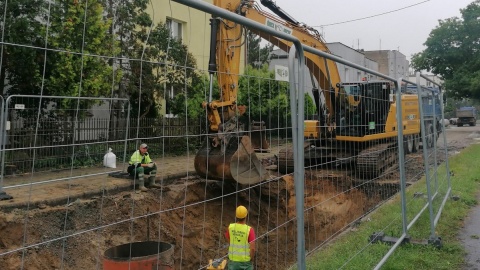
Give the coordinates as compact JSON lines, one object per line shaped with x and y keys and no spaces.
{"x":175,"y":28}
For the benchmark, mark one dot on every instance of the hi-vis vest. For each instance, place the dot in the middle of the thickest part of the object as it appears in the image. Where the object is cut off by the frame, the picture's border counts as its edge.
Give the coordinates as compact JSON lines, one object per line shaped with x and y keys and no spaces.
{"x":138,"y":158}
{"x":239,"y":249}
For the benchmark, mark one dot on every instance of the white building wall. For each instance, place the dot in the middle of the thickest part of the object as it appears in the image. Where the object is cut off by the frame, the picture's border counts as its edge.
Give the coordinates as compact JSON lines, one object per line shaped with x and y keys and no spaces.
{"x":423,"y":82}
{"x":391,"y":63}
{"x":279,"y":57}
{"x":348,"y":74}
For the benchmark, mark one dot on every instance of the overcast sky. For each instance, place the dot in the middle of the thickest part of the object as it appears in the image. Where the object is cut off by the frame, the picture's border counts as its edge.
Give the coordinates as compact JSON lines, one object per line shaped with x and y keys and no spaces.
{"x":405,"y":30}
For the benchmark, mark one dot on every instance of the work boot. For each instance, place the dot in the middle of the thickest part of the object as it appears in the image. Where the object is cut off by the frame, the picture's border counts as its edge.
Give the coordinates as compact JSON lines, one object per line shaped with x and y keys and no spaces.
{"x":141,"y":185}
{"x":151,"y":182}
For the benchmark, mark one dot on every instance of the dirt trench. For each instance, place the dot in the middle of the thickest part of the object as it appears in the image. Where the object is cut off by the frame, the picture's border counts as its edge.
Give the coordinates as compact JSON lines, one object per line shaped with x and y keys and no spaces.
{"x":75,"y":236}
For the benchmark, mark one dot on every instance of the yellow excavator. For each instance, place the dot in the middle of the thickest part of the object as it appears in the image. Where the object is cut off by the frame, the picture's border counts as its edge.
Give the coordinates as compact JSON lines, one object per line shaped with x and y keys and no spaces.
{"x":355,"y":121}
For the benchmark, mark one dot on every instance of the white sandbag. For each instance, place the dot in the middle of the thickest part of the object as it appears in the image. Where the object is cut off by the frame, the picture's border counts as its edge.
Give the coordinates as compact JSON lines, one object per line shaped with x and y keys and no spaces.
{"x":110,"y":160}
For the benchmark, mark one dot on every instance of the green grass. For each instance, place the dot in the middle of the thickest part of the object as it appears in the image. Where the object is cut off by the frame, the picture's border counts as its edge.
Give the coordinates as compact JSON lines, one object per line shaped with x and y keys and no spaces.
{"x":353,"y":251}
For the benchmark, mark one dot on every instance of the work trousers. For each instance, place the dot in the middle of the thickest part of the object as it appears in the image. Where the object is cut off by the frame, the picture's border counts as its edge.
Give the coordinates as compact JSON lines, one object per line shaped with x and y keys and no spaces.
{"x":141,"y":171}
{"x":240,"y":265}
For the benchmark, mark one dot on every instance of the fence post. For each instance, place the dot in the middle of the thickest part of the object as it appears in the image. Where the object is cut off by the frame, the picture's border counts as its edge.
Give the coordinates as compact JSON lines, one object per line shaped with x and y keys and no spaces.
{"x":3,"y":142}
{"x":297,"y":104}
{"x":127,"y":127}
{"x":401,"y":155}
{"x":425,"y":156}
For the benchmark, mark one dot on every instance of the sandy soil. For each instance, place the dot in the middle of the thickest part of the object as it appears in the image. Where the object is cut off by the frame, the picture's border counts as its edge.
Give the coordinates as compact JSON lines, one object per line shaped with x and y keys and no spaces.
{"x":75,"y":236}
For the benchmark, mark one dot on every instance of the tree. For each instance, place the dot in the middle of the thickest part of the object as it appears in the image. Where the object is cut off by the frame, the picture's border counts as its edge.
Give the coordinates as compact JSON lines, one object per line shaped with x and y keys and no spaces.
{"x":268,"y":100}
{"x":256,"y":56}
{"x":188,"y":103}
{"x":453,"y":52}
{"x":74,"y":63}
{"x":162,"y":63}
{"x":81,"y":68}
{"x":154,"y":61}
{"x":20,"y":67}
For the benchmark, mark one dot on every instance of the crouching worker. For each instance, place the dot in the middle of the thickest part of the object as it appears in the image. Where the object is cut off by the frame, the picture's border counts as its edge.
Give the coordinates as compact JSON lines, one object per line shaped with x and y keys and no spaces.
{"x":141,"y":165}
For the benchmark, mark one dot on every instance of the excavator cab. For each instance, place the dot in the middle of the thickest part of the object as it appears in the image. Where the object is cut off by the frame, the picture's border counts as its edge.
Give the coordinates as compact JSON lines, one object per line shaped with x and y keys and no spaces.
{"x":368,"y":110}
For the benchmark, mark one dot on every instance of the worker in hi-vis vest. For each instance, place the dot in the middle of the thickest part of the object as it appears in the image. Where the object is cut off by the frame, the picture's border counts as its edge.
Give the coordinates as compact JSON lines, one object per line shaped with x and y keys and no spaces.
{"x":140,"y":165}
{"x":241,"y":250}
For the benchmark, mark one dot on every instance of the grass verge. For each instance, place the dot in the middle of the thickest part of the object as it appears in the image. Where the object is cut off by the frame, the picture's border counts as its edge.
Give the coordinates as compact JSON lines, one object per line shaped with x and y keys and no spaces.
{"x":353,"y":250}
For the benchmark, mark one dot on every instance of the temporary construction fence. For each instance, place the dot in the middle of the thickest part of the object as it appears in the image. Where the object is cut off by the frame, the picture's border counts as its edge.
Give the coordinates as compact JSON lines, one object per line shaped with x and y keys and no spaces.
{"x":3,"y":195}
{"x":296,"y":213}
{"x":49,"y":132}
{"x":94,"y":135}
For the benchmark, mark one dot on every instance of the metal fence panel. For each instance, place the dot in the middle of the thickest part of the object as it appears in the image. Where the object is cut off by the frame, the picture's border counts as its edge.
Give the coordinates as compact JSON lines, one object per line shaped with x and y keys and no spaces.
{"x":361,"y":143}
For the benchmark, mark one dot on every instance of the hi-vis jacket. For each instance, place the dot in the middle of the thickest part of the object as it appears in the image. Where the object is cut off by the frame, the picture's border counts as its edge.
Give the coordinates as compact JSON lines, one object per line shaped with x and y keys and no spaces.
{"x":239,"y":249}
{"x":138,"y":158}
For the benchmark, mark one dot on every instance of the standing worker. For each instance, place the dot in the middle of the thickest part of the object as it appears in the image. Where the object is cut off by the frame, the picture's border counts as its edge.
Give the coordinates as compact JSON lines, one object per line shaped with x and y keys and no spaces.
{"x":240,"y":236}
{"x":141,"y":164}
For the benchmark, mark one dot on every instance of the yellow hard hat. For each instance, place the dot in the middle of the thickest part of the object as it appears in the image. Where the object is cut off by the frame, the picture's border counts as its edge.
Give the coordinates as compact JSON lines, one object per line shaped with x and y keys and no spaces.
{"x":241,"y":212}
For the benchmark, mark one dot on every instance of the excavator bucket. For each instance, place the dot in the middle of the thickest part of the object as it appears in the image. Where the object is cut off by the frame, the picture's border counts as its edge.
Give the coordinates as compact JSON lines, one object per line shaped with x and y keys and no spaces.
{"x":236,"y":161}
{"x":258,"y":137}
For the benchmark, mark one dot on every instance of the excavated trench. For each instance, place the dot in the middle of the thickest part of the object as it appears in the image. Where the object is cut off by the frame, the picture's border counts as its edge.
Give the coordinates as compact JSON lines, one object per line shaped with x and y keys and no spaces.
{"x":76,"y":236}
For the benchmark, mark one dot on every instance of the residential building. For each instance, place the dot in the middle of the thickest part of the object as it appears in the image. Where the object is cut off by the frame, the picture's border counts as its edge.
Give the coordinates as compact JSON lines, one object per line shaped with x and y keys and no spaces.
{"x":187,"y":24}
{"x":391,"y":63}
{"x":348,"y":74}
{"x":424,"y":82}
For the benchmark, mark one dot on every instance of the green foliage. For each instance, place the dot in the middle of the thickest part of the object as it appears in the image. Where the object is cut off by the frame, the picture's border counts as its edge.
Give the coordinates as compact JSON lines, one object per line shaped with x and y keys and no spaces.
{"x":265,"y":97}
{"x":453,"y":52}
{"x":167,"y":65}
{"x":256,"y":56}
{"x":77,"y":70}
{"x":310,"y":108}
{"x":90,"y":41}
{"x":189,"y":102}
{"x":74,"y":66}
{"x":21,"y":70}
{"x":268,"y":100}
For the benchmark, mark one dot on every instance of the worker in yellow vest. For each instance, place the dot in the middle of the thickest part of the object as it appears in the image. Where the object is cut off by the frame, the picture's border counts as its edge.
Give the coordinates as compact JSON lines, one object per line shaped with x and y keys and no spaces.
{"x":241,"y":250}
{"x":140,"y":165}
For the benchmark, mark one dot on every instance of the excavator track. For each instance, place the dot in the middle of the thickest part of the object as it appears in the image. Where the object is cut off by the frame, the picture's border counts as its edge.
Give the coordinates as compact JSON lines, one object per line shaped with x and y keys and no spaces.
{"x":376,"y":159}
{"x":313,"y":156}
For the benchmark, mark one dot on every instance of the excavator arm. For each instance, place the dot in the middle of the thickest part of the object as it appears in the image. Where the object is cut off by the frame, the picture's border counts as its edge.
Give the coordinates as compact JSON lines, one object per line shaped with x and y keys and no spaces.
{"x":229,"y":49}
{"x":228,"y":153}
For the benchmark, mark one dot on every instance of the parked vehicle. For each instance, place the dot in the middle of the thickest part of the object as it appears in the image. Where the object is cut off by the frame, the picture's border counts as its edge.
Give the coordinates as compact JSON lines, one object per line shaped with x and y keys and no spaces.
{"x":466,"y":115}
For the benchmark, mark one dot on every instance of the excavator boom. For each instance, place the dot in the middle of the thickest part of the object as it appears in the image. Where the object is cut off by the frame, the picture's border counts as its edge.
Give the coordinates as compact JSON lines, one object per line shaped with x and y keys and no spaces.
{"x":228,"y":153}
